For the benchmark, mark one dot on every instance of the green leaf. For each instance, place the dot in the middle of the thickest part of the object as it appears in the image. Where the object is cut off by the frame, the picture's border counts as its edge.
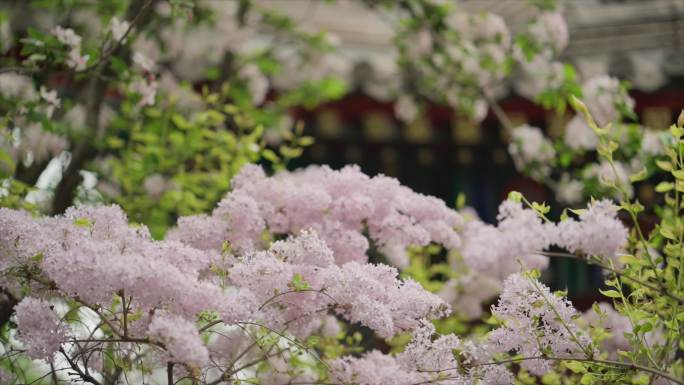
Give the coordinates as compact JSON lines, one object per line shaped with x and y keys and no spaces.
{"x":639,"y":176}
{"x":305,"y":141}
{"x":298,"y":283}
{"x":610,"y":293}
{"x":38,"y":258}
{"x":587,"y":379}
{"x":82,"y":222}
{"x":631,"y":260}
{"x":663,"y":187}
{"x":667,"y":232}
{"x":641,"y":379}
{"x":515,"y":196}
{"x":269,"y":155}
{"x":664,"y":165}
{"x":180,"y":121}
{"x":679,"y":174}
{"x":541,"y":208}
{"x":576,"y":367}
{"x":460,"y":200}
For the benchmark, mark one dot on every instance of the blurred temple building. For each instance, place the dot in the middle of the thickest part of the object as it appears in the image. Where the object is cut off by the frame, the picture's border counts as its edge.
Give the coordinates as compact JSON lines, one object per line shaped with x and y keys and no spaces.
{"x":444,"y":154}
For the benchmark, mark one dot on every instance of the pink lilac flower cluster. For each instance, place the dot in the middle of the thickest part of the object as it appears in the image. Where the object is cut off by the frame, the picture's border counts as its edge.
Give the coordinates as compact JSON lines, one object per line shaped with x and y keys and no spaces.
{"x":92,"y":255}
{"x":341,"y":206}
{"x":40,"y":329}
{"x":521,"y":236}
{"x":512,"y":245}
{"x":517,"y":242}
{"x":597,"y":232}
{"x":535,"y":322}
{"x":180,"y":337}
{"x":364,"y":293}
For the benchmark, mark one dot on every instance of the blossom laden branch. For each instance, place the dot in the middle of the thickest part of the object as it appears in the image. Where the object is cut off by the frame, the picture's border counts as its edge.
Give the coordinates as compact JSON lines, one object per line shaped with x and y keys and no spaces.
{"x":620,"y":364}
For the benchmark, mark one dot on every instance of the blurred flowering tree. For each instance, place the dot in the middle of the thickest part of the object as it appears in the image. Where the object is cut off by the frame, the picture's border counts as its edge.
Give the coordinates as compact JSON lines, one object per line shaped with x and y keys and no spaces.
{"x":159,"y":112}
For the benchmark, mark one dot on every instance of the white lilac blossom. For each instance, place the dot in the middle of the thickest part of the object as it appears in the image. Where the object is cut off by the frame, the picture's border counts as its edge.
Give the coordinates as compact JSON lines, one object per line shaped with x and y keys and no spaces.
{"x":578,"y":135}
{"x":651,"y":143}
{"x":605,"y":97}
{"x":598,"y":232}
{"x":39,"y":328}
{"x":50,"y":97}
{"x":540,"y":70}
{"x":147,"y":89}
{"x":118,"y":28}
{"x":531,"y":151}
{"x":156,"y":185}
{"x":538,"y":75}
{"x":568,"y":190}
{"x":428,"y":358}
{"x":550,"y":30}
{"x":406,"y":109}
{"x":143,"y":62}
{"x":616,"y":174}
{"x":40,"y":144}
{"x":423,"y":361}
{"x":71,"y":39}
{"x":181,"y":96}
{"x":17,"y":86}
{"x":67,"y":36}
{"x":477,"y":52}
{"x":257,"y":82}
{"x":339,"y":205}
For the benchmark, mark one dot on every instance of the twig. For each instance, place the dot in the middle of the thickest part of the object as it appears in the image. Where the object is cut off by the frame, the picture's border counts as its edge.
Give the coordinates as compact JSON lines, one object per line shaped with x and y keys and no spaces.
{"x":169,"y":373}
{"x":84,"y":376}
{"x":499,"y":113}
{"x":105,"y":56}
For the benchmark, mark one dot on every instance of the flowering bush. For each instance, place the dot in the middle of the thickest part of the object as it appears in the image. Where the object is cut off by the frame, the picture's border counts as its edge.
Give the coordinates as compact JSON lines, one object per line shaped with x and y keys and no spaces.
{"x":95,"y":292}
{"x":281,"y":277}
